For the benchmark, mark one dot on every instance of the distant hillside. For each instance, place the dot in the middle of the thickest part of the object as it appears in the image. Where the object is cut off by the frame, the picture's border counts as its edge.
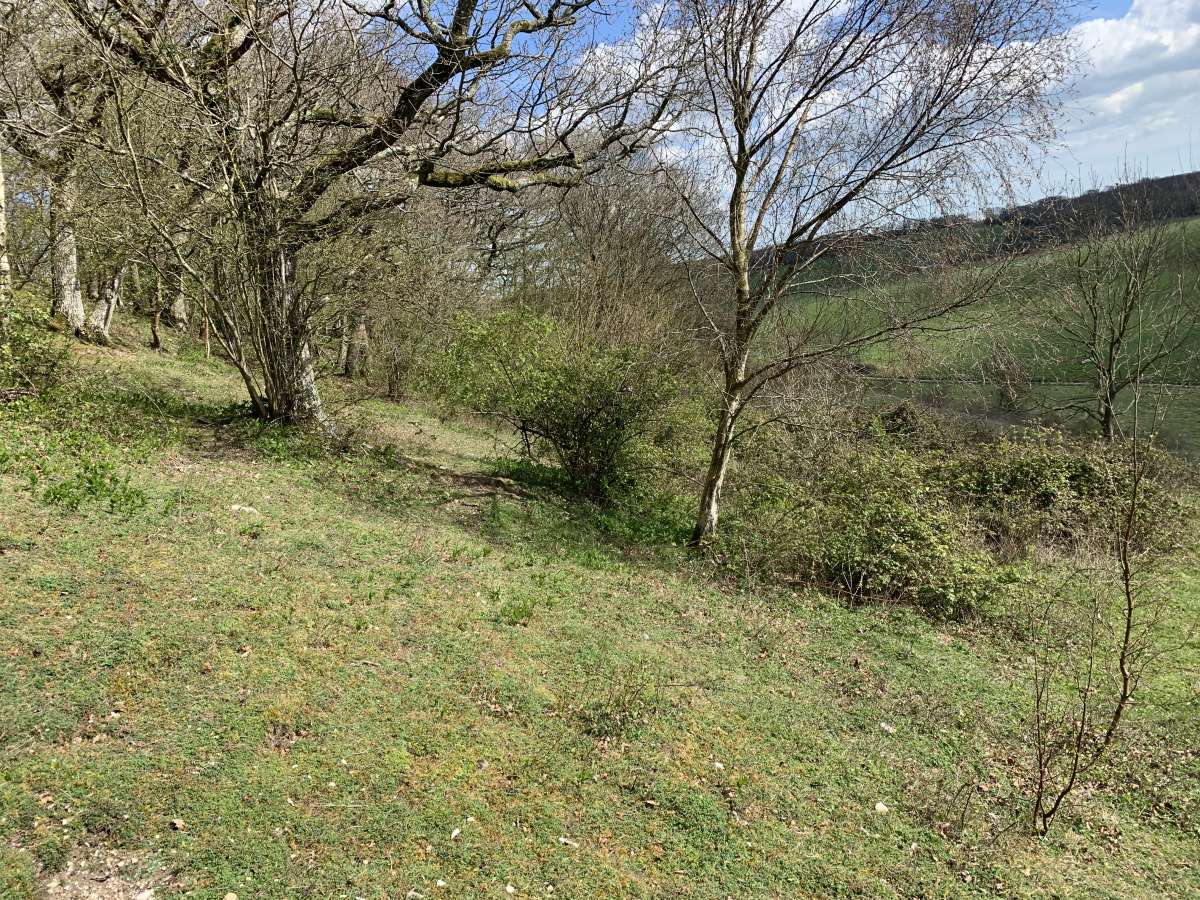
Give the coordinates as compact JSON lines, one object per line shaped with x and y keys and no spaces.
{"x":1160,"y":199}
{"x":1030,"y":226}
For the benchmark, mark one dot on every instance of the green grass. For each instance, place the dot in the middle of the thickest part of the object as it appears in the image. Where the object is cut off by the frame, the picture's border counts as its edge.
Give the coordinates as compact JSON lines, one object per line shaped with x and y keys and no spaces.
{"x":361,"y":673}
{"x":945,"y":366}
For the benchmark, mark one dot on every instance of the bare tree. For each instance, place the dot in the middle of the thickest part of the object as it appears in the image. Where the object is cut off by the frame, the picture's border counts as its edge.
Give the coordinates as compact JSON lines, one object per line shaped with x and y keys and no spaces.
{"x":1097,"y":639}
{"x":52,"y":100}
{"x":1127,"y":312}
{"x":6,"y":283}
{"x":295,"y":123}
{"x":821,"y":122}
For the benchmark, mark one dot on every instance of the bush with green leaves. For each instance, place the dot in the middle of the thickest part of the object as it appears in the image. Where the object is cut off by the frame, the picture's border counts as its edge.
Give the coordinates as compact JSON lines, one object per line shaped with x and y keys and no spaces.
{"x":596,"y":414}
{"x":1039,"y":488}
{"x":928,"y":515}
{"x":867,"y":524}
{"x":32,"y":357}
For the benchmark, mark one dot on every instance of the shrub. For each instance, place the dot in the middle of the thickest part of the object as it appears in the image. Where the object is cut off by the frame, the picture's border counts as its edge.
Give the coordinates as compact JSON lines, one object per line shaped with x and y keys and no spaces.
{"x":96,"y":481}
{"x":591,"y":412}
{"x":867,"y":525}
{"x":32,"y":357}
{"x":1038,"y":488}
{"x":924,"y":515}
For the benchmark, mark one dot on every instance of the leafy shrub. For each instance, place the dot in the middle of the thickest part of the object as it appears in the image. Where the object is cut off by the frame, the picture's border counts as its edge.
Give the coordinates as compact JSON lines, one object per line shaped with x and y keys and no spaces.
{"x":1038,"y":488}
{"x":867,"y":525}
{"x":32,"y":357}
{"x":920,"y":513}
{"x":593,"y":413}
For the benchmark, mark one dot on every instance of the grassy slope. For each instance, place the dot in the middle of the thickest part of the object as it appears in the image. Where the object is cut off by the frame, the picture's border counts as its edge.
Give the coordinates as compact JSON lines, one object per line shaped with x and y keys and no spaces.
{"x":325,"y":690}
{"x":1016,"y":319}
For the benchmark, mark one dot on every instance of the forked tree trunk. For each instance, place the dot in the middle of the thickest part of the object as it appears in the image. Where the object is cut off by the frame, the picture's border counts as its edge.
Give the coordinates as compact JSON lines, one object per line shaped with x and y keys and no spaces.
{"x":100,"y":323}
{"x":64,"y":254}
{"x":289,"y":372}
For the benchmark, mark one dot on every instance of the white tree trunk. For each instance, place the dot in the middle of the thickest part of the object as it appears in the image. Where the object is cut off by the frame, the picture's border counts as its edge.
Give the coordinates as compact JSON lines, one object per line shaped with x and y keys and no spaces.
{"x":6,"y":286}
{"x":101,"y":320}
{"x":67,"y":296}
{"x":178,"y":313}
{"x":714,"y":478}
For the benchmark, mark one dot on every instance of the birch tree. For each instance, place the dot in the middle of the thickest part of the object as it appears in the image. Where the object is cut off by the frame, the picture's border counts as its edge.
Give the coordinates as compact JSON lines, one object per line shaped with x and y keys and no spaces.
{"x":820,"y":122}
{"x":6,"y":284}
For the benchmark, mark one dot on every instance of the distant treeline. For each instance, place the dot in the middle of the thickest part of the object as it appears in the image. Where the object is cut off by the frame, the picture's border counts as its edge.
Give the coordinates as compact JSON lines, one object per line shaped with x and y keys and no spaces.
{"x":1156,"y":200}
{"x":1019,"y":228}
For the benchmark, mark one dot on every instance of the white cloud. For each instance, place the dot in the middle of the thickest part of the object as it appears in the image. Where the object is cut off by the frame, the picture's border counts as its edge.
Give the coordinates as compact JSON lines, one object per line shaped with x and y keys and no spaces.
{"x":1137,"y":102}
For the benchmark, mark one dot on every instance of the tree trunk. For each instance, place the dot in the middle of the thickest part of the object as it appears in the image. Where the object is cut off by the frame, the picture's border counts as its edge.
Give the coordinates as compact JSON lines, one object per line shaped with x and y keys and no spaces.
{"x":156,"y":315}
{"x":155,"y":338}
{"x":289,"y":373}
{"x":343,"y":343}
{"x":356,"y":357}
{"x":177,"y":312}
{"x":714,"y":478}
{"x":101,"y":320}
{"x":1108,"y":417}
{"x":67,"y":295}
{"x":6,"y":286}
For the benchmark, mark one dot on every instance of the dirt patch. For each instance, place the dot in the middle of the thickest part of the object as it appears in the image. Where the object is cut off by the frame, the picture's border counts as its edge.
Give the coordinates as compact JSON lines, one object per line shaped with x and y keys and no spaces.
{"x":95,"y":873}
{"x":477,"y":485}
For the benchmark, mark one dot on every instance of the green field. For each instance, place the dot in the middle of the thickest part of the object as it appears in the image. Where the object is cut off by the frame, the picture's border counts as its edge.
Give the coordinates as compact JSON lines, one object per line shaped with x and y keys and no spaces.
{"x":945,"y":367}
{"x":236,"y":661}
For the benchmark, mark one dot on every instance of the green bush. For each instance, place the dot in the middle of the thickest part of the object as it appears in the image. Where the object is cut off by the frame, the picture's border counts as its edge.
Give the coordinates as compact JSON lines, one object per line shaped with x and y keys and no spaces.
{"x":866,"y":524}
{"x":1037,"y":488}
{"x":593,"y":413}
{"x":32,"y":357}
{"x":926,"y":515}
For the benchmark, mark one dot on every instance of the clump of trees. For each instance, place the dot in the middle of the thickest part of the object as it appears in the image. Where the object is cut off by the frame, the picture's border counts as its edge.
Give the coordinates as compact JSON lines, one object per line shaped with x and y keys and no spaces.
{"x":277,"y":160}
{"x":660,"y":246}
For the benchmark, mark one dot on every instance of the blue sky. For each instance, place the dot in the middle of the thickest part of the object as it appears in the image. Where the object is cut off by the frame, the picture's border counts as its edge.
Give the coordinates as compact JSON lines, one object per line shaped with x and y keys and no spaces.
{"x":1136,"y":104}
{"x":1108,"y":9}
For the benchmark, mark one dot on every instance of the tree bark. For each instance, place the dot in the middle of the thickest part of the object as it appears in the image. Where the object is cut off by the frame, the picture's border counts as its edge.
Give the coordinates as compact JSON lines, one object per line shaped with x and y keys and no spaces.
{"x":67,"y":295}
{"x":356,"y":356}
{"x":6,"y":285}
{"x":101,"y":319}
{"x":1108,"y":416}
{"x":176,"y":312}
{"x":343,"y":343}
{"x":289,"y":373}
{"x":156,"y":315}
{"x":718,"y":466}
